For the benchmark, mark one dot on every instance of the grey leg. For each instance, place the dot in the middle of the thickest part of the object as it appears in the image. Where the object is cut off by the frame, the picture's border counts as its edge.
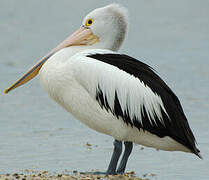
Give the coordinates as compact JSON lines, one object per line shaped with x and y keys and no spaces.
{"x":115,"y":157}
{"x":127,"y":152}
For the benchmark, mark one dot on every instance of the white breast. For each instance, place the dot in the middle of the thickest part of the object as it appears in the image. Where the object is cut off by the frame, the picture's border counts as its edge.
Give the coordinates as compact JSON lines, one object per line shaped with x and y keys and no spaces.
{"x":58,"y":78}
{"x":61,"y":78}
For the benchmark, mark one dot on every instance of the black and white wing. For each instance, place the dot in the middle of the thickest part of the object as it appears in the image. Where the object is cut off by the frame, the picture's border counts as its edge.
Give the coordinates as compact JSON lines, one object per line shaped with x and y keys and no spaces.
{"x":131,"y":90}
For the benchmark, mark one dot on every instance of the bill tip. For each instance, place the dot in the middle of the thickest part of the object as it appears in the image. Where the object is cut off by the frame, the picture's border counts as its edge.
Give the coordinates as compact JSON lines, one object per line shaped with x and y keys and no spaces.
{"x":6,"y":91}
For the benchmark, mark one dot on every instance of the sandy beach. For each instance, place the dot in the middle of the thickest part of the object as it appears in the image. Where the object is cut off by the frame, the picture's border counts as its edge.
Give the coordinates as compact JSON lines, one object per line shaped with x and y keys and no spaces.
{"x":45,"y":175}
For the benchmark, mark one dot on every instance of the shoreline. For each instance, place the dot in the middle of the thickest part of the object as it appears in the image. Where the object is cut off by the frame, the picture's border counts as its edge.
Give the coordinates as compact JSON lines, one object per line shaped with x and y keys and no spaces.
{"x":45,"y":175}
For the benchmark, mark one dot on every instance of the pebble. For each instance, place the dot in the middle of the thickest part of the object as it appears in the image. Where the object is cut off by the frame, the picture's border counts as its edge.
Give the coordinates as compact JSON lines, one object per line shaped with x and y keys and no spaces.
{"x":75,"y":175}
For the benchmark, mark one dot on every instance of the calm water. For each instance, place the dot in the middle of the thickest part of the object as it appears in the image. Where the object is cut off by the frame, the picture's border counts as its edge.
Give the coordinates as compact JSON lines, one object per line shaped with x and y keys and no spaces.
{"x":171,"y":36}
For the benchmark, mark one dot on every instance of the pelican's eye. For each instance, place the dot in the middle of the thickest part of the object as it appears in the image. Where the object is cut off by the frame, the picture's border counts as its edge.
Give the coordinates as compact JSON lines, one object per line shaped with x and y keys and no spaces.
{"x":89,"y":22}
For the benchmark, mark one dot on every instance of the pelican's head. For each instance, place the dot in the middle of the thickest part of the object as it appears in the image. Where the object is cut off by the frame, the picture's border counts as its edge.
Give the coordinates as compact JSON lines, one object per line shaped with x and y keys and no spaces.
{"x":109,"y":24}
{"x":102,"y":28}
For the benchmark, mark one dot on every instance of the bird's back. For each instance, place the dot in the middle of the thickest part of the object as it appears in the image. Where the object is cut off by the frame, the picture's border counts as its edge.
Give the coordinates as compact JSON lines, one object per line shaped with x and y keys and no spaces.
{"x":175,"y":124}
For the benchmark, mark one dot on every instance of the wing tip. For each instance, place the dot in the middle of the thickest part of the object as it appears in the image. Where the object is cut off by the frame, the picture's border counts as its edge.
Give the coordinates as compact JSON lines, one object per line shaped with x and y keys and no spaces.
{"x":197,"y":153}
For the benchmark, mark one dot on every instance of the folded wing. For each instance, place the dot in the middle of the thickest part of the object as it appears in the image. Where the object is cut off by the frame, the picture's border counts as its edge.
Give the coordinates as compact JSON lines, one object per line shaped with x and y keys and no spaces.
{"x":130,"y":89}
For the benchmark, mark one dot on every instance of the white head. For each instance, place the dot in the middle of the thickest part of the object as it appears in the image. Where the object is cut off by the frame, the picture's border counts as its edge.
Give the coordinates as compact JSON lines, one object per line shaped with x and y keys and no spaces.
{"x":103,"y":28}
{"x":109,"y":24}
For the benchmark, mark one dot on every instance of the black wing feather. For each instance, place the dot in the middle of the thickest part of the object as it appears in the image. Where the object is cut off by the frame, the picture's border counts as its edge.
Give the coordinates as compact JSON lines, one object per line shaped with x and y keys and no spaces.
{"x":176,"y":127}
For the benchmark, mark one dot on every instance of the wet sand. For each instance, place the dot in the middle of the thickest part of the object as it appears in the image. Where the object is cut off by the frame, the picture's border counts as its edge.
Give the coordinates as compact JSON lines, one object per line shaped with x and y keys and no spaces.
{"x":36,"y":175}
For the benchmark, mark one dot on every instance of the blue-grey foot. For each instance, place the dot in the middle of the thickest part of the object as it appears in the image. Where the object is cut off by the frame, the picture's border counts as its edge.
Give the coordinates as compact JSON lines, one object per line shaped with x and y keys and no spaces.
{"x":123,"y":162}
{"x":114,"y":160}
{"x":115,"y":157}
{"x":94,"y":173}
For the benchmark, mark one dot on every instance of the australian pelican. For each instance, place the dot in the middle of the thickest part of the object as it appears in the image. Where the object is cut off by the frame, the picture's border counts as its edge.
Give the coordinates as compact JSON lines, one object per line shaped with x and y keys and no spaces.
{"x":111,"y":92}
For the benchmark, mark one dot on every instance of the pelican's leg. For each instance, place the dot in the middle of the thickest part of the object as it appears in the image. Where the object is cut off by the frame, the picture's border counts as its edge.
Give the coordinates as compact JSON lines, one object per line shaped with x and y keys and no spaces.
{"x":127,"y":152}
{"x":115,"y":157}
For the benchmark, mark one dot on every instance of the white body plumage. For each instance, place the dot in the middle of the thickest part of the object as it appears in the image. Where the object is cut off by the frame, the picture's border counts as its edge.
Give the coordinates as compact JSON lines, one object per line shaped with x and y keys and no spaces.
{"x":70,"y":79}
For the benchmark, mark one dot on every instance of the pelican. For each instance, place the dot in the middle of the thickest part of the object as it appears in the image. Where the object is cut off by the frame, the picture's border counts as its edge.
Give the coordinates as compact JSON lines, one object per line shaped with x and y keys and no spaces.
{"x":110,"y":92}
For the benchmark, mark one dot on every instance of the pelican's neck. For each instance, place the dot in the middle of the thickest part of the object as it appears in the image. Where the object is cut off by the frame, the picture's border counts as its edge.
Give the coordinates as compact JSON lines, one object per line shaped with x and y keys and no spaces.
{"x":56,"y":62}
{"x":54,"y":71}
{"x":112,"y":42}
{"x":64,"y":54}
